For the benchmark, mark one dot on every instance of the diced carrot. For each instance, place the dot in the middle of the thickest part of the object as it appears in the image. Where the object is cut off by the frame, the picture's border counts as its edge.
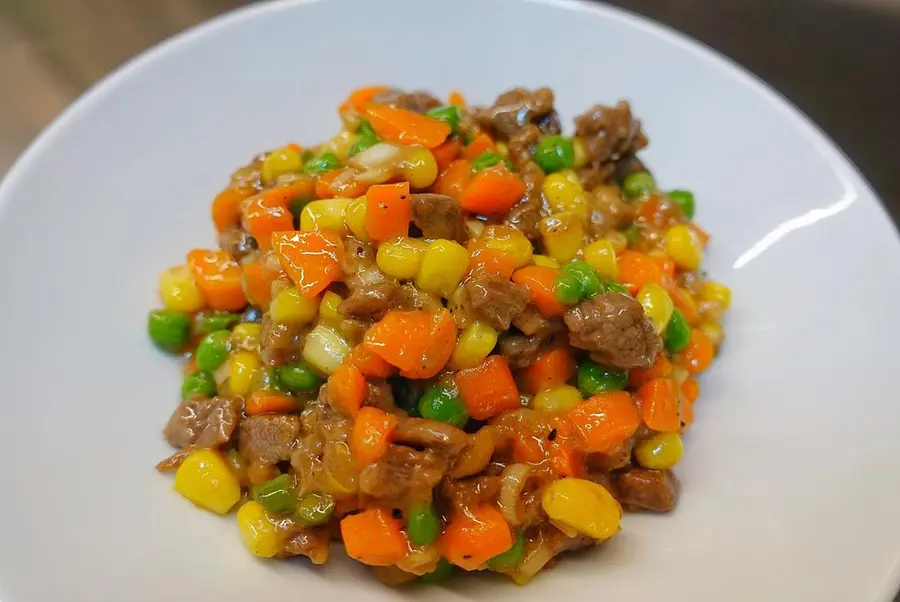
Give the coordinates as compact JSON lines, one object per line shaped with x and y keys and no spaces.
{"x":480,"y":144}
{"x":550,"y":369}
{"x":648,"y":207}
{"x":310,"y":259}
{"x":540,"y":281}
{"x":294,"y":147}
{"x":666,"y":264}
{"x":492,"y":190}
{"x":687,"y":415}
{"x":284,"y":195}
{"x":452,"y":180}
{"x":258,"y":282}
{"x":702,"y":234}
{"x":388,"y":211}
{"x":473,"y":537}
{"x":690,"y":388}
{"x":267,"y":402}
{"x":446,"y":153}
{"x":637,"y":269}
{"x":527,"y":447}
{"x":685,"y":303}
{"x":219,"y":279}
{"x":374,"y":537}
{"x":339,"y":183}
{"x":360,"y":97}
{"x":565,"y":457}
{"x":370,"y":364}
{"x":658,"y":399}
{"x":698,"y":354}
{"x":604,"y":421}
{"x":488,"y":389}
{"x":417,"y":342}
{"x":661,"y":367}
{"x":406,"y":128}
{"x":457,"y":99}
{"x":347,"y":389}
{"x":226,"y":207}
{"x":491,"y":262}
{"x":265,"y":214}
{"x":371,"y":434}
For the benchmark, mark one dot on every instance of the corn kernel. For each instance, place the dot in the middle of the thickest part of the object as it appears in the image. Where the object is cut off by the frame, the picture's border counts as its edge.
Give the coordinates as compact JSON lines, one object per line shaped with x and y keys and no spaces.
{"x":684,"y":247}
{"x":563,"y":235}
{"x":355,"y":217}
{"x":206,"y":479}
{"x":328,"y":308}
{"x":324,"y":214}
{"x":617,"y":239}
{"x":545,"y":262}
{"x":402,"y":258}
{"x":659,"y":451}
{"x":179,"y":290}
{"x":246,"y":336}
{"x":339,"y":144}
{"x":443,"y":266}
{"x":243,"y":368}
{"x":475,"y":343}
{"x":502,"y":149}
{"x":581,"y":153}
{"x":601,"y":255}
{"x":563,"y":194}
{"x":279,"y":162}
{"x":325,"y":349}
{"x":582,"y":506}
{"x":657,"y":305}
{"x":713,"y":330}
{"x":716,"y":292}
{"x":258,"y":532}
{"x":291,"y":307}
{"x":418,"y":167}
{"x":563,"y":397}
{"x":509,"y":241}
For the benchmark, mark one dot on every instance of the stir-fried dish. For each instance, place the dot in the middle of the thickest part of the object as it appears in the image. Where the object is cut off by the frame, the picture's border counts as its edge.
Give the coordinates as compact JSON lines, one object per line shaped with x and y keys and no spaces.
{"x":449,"y":337}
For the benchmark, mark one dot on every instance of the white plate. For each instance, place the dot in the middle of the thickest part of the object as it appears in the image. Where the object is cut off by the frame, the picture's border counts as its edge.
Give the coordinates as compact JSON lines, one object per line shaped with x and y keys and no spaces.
{"x":791,"y":486}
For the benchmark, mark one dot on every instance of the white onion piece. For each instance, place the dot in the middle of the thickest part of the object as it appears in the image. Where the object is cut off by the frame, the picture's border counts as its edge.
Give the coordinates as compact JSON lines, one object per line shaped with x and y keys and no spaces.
{"x":512,"y":480}
{"x":533,"y":562}
{"x":378,"y":163}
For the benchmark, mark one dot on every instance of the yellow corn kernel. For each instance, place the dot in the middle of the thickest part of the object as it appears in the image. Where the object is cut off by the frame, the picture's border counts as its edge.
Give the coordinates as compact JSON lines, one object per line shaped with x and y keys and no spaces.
{"x":244,"y":366}
{"x":355,"y":218}
{"x":206,"y":479}
{"x":713,"y":330}
{"x":444,"y":263}
{"x":179,"y":290}
{"x":509,"y":241}
{"x":659,"y":451}
{"x":657,"y":305}
{"x":582,"y":506}
{"x":324,"y":214}
{"x":684,"y":247}
{"x":328,"y":308}
{"x":339,"y":144}
{"x":475,"y":343}
{"x":291,"y":307}
{"x":563,"y":234}
{"x":325,"y":349}
{"x":601,"y":255}
{"x":246,"y":336}
{"x":402,"y":258}
{"x":563,"y":194}
{"x":581,"y":153}
{"x":545,"y":262}
{"x":572,"y":177}
{"x":279,"y":162}
{"x":258,"y":532}
{"x":718,"y":293}
{"x":563,"y":397}
{"x":617,"y":239}
{"x":502,"y":149}
{"x":418,"y":167}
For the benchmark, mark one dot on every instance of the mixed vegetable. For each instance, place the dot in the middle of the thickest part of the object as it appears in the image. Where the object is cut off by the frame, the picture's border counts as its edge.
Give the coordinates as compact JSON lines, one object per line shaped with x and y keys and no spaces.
{"x":450,"y":337}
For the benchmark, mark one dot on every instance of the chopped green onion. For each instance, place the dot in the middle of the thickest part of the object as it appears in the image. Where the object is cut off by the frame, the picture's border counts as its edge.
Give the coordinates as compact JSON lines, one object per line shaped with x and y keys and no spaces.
{"x":276,"y":495}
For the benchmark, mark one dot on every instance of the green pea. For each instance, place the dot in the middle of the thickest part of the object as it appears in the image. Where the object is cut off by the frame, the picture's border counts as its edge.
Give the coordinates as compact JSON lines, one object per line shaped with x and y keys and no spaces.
{"x":441,"y":573}
{"x":213,"y":350}
{"x":554,"y":153}
{"x":406,"y":394}
{"x":593,"y":379}
{"x":448,"y":114}
{"x":298,"y":377}
{"x":615,"y":287}
{"x":577,"y":281}
{"x":366,"y":138}
{"x":510,"y":558}
{"x":677,"y":333}
{"x":199,"y":384}
{"x":276,"y":495}
{"x":169,"y":330}
{"x":423,"y":524}
{"x":217,"y":319}
{"x":568,"y":289}
{"x":485,"y":160}
{"x":443,"y":405}
{"x":315,"y":509}
{"x":638,"y":184}
{"x":685,"y":201}
{"x":322,"y":163}
{"x":632,"y":235}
